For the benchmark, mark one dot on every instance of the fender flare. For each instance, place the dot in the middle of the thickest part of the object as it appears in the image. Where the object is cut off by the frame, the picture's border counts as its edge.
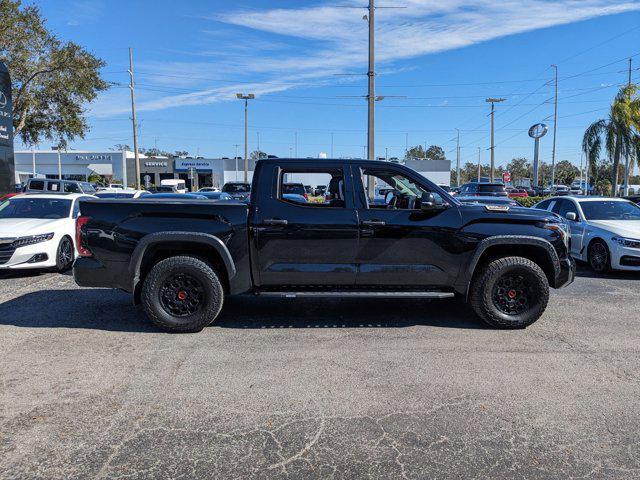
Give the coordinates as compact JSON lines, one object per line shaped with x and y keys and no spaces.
{"x":510,"y":240}
{"x":190,"y":237}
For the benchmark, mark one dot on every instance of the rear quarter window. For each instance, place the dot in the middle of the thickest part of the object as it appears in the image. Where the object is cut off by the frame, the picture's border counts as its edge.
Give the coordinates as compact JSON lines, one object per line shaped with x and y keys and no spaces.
{"x":36,"y":185}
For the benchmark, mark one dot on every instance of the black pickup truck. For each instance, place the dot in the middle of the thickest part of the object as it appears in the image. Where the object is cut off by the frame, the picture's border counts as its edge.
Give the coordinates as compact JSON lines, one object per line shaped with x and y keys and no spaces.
{"x":180,"y":258}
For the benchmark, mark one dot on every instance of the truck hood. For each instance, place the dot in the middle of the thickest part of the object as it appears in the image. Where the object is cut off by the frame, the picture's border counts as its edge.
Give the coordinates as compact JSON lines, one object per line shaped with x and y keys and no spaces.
{"x":477,"y":212}
{"x":21,"y":227}
{"x":624,"y":228}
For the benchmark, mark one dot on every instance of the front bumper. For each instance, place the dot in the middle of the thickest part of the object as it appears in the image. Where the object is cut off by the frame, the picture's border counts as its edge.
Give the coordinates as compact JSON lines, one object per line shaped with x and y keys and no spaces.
{"x":631,"y":258}
{"x":567,"y":273}
{"x":20,"y":259}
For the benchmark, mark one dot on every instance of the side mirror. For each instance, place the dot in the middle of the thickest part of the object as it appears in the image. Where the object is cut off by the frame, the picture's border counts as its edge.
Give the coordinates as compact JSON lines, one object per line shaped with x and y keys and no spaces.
{"x":428,"y":202}
{"x":571,"y":216}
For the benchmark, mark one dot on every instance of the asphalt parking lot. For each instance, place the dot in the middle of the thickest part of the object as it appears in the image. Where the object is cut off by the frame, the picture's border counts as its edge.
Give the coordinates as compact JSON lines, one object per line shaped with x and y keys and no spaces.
{"x":318,"y":389}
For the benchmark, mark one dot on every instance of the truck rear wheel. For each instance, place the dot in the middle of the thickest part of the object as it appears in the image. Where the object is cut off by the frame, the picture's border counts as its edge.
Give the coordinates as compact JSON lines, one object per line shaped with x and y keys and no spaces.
{"x":182,"y":294}
{"x":510,"y":292}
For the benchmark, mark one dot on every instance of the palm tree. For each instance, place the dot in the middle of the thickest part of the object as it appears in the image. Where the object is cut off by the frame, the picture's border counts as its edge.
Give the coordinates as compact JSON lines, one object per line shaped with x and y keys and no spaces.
{"x":616,"y":133}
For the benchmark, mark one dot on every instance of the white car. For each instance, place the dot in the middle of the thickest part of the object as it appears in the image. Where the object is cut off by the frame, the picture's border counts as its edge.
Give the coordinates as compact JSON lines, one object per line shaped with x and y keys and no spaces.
{"x":121,"y":193}
{"x":605,"y":232}
{"x":38,"y":231}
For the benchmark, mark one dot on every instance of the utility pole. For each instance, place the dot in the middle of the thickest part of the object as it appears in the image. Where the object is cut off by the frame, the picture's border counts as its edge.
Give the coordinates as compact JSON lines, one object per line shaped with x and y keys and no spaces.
{"x":371,"y":98}
{"x":132,"y":86}
{"x":236,"y":159}
{"x":478,"y":164}
{"x":626,"y":162}
{"x":406,"y":145}
{"x":59,"y":164}
{"x":555,"y":128}
{"x":246,"y":98}
{"x":493,"y":101}
{"x":458,"y":158}
{"x":296,"y":143}
{"x":331,"y":144}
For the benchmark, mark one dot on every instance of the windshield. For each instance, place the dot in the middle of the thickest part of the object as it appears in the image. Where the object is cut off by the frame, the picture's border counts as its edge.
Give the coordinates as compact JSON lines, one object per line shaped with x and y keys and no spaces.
{"x":49,"y":208}
{"x":87,"y":187}
{"x":236,"y":188}
{"x":610,"y":210}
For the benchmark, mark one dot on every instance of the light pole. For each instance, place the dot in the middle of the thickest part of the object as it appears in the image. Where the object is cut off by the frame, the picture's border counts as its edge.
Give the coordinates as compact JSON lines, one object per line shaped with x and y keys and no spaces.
{"x":246,"y":98}
{"x":457,"y":158}
{"x":236,"y":159}
{"x":478,"y":164}
{"x":493,"y":101}
{"x":555,"y":128}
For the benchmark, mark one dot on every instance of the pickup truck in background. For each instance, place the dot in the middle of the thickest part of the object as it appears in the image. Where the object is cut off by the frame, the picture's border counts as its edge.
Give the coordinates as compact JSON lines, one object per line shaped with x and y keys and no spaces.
{"x":180,"y":259}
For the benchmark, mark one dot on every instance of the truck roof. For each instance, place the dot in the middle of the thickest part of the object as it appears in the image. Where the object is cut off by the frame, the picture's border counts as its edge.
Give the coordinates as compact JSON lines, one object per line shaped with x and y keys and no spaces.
{"x":320,"y":161}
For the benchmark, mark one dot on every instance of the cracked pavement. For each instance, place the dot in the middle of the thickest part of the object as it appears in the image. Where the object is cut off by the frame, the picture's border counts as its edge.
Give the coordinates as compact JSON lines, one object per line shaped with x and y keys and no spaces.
{"x":318,"y":388}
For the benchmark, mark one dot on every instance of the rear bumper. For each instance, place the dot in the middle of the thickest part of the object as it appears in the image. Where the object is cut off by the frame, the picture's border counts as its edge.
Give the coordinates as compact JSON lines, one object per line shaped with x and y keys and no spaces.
{"x":567,"y":273}
{"x":89,"y":272}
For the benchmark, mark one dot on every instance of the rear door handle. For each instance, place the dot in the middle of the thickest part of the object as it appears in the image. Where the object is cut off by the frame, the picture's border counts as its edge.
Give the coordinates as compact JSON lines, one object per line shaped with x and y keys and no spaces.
{"x":373,"y":223}
{"x":275,"y":221}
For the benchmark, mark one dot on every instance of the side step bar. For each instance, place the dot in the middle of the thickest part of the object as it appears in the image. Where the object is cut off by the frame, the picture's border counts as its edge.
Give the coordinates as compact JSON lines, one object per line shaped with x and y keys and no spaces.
{"x":354,"y":294}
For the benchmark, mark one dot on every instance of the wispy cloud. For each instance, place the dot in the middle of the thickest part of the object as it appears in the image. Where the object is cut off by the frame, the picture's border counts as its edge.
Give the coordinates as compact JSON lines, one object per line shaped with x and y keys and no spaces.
{"x":84,"y":12}
{"x":311,"y":44}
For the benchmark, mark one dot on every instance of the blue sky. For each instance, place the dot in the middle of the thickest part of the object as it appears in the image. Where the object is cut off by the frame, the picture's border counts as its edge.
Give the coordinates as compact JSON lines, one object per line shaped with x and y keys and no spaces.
{"x":305,"y":63}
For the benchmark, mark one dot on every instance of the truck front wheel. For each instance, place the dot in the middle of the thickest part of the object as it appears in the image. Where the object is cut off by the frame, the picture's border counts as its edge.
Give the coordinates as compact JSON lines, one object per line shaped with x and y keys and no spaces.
{"x":510,"y":292}
{"x":182,"y":294}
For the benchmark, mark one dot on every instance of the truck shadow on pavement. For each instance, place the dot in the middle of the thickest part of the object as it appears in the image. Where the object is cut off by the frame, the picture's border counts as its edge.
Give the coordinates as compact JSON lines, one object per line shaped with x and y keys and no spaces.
{"x":112,"y":310}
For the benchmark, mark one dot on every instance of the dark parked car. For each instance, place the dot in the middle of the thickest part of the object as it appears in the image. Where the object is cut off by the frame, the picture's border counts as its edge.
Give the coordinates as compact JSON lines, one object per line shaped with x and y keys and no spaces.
{"x":483,"y":189}
{"x":216,"y":195}
{"x":181,"y":258}
{"x":176,"y":196}
{"x":634,"y":198}
{"x":238,"y":190}
{"x":294,"y":189}
{"x":488,"y":200}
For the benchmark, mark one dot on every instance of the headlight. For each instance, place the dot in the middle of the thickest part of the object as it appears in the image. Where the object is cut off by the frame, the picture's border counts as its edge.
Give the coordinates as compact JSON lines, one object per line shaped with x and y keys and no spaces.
{"x":24,"y":241}
{"x":627,"y":242}
{"x":562,"y":228}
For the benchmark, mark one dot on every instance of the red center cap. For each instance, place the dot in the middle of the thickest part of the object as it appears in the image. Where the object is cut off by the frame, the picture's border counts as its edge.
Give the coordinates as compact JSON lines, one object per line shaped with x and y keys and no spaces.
{"x":182,"y":295}
{"x":512,"y":293}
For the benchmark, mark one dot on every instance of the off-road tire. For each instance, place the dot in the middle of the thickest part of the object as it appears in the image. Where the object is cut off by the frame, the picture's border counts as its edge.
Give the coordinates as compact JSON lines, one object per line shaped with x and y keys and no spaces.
{"x":484,"y":289}
{"x":599,"y":267}
{"x":62,"y":265}
{"x":208,"y":290}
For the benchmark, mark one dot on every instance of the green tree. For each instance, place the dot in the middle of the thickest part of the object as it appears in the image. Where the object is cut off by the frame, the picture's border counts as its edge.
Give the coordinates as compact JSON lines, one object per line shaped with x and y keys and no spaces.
{"x":51,"y":80}
{"x":120,"y":147}
{"x":434,"y":152}
{"x":566,"y":172}
{"x":415,"y":152}
{"x":519,"y":168}
{"x":257,"y":155}
{"x":616,"y":133}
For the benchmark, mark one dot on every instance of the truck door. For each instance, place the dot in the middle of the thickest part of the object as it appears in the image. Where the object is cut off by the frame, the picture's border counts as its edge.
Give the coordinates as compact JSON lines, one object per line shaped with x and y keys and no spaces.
{"x":302,"y":240}
{"x":402,"y":244}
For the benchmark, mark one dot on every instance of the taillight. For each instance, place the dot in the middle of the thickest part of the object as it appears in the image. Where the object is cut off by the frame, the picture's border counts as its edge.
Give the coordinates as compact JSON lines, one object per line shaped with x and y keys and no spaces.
{"x":306,"y":196}
{"x":82,"y":250}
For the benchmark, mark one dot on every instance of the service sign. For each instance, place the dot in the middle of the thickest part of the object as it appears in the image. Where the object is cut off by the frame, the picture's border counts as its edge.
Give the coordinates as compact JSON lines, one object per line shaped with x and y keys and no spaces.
{"x":7,"y":166}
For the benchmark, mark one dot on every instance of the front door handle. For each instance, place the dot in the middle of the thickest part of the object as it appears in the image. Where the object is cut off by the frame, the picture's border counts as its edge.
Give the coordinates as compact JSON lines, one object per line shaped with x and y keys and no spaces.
{"x":373,"y":223}
{"x":275,"y":221}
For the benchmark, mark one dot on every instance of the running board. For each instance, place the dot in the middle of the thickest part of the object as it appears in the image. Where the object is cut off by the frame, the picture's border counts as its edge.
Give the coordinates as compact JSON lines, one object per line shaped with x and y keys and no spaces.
{"x":348,"y":294}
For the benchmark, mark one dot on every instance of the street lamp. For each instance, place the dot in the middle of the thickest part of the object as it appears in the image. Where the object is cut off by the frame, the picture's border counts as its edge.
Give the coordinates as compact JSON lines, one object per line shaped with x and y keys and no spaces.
{"x":246,"y":98}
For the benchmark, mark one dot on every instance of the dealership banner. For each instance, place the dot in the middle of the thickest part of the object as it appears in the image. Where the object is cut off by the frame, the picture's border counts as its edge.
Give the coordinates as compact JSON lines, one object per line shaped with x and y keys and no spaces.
{"x":7,"y":167}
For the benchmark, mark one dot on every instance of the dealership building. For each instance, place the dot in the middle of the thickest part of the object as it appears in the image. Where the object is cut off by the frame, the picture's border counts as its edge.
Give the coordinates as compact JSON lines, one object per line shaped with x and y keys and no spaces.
{"x":119,"y":166}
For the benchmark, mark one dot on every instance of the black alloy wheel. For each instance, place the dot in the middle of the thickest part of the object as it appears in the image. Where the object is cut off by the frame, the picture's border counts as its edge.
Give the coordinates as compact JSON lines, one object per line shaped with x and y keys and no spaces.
{"x":64,"y":255}
{"x":181,"y":295}
{"x":514,"y":293}
{"x":510,"y":292}
{"x":598,"y":256}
